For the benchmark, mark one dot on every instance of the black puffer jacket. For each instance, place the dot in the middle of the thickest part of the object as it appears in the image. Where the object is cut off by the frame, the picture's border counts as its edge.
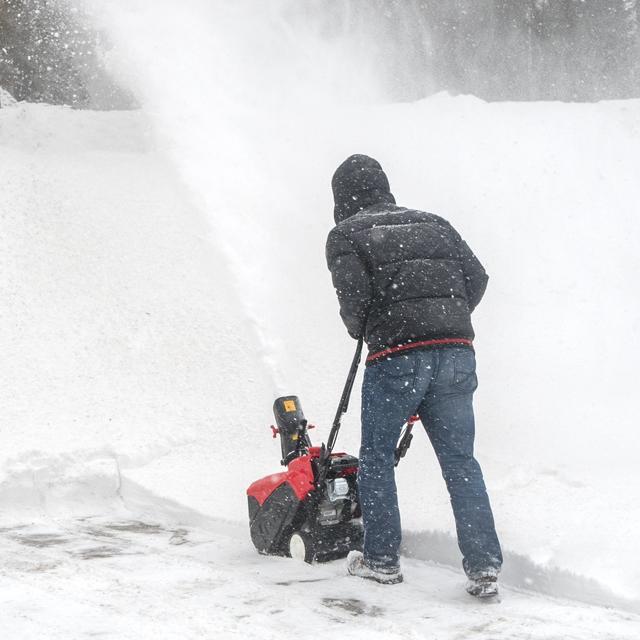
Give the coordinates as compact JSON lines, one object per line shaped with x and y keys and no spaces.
{"x":402,"y":276}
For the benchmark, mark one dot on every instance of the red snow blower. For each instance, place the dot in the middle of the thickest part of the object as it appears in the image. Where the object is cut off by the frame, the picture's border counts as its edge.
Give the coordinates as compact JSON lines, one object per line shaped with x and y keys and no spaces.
{"x":311,"y":511}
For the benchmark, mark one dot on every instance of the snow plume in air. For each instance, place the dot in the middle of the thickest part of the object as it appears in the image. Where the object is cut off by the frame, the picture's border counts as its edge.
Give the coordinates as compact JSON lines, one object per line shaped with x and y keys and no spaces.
{"x":235,"y":89}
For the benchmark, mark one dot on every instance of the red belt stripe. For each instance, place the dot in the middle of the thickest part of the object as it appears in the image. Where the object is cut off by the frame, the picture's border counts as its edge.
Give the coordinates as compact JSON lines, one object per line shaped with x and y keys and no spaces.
{"x":413,"y":345}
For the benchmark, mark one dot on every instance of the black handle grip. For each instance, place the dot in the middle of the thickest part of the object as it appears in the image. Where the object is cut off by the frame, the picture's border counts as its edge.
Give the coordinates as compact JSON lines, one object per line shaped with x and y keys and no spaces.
{"x":342,"y":409}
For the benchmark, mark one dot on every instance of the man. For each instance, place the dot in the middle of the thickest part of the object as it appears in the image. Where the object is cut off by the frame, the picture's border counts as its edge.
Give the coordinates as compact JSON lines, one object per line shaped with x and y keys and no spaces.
{"x":407,"y":283}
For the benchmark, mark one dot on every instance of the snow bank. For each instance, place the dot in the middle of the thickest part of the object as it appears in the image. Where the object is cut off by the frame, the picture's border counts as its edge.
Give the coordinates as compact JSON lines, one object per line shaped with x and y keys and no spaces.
{"x":165,"y":278}
{"x":6,"y":99}
{"x":122,"y":329}
{"x":71,"y":485}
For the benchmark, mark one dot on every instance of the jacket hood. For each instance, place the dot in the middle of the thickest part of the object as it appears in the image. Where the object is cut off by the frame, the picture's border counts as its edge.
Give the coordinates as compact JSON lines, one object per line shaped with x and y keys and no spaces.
{"x":358,"y":183}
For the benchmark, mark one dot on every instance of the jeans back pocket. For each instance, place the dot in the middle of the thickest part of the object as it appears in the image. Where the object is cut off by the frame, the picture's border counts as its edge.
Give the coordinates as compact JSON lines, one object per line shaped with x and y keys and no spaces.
{"x":398,"y":374}
{"x":464,"y":370}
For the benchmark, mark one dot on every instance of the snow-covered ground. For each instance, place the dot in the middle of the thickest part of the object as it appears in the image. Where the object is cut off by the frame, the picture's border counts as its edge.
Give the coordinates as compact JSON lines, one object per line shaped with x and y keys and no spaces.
{"x":162,"y":279}
{"x":148,"y":568}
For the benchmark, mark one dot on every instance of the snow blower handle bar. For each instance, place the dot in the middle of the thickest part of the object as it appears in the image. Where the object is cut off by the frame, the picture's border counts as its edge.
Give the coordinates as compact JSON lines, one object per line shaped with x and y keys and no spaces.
{"x":325,"y":453}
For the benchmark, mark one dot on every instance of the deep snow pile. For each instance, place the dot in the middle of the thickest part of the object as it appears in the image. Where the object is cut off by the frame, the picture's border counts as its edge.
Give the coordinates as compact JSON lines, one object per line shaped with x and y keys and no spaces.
{"x":122,"y":329}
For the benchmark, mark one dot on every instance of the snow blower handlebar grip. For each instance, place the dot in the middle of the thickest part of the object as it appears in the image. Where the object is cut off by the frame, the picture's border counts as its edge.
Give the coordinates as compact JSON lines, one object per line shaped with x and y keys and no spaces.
{"x":405,"y":439}
{"x":342,"y":409}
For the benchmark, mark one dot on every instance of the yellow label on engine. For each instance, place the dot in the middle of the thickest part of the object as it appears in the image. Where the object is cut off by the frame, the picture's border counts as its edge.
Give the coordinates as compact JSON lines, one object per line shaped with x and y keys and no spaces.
{"x":289,"y":405}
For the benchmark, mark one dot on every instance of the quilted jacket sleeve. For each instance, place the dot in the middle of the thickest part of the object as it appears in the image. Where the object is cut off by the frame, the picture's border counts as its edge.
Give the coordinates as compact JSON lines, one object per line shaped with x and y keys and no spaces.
{"x":475,"y":277}
{"x":351,"y":280}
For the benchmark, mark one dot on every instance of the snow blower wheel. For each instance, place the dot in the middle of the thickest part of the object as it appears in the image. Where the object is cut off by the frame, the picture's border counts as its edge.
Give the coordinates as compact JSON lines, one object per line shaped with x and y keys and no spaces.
{"x":300,"y":548}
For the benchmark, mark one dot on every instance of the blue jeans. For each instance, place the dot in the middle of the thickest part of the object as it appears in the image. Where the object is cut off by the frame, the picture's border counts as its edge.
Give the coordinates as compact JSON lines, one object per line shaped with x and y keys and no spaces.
{"x":437,"y":385}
